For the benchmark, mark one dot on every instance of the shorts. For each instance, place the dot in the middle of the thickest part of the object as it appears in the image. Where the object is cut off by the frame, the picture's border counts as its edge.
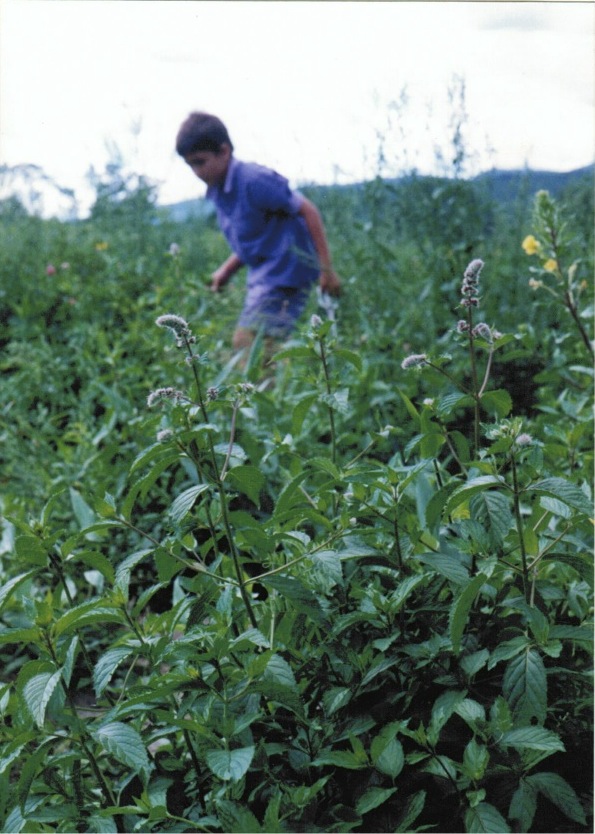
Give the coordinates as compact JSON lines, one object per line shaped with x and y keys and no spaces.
{"x":274,"y":310}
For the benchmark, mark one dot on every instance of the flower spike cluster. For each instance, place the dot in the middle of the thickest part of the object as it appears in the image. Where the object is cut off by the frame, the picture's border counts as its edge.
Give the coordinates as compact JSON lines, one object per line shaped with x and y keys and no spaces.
{"x":470,"y":286}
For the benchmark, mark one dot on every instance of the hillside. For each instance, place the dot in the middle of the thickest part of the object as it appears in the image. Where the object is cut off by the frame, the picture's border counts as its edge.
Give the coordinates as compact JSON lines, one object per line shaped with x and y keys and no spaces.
{"x":504,"y":187}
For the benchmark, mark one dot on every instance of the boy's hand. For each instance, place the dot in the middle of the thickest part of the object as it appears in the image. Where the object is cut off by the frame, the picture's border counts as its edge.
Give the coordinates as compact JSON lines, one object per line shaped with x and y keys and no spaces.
{"x":225,"y":272}
{"x":218,"y":280}
{"x":330,"y":283}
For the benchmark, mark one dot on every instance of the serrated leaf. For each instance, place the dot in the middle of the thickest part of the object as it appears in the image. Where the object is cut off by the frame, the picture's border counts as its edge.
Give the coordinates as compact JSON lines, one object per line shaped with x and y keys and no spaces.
{"x":349,"y":356}
{"x":236,"y":819}
{"x":247,"y":479}
{"x":230,"y":765}
{"x":279,"y":671}
{"x":185,"y":501}
{"x":125,"y":745}
{"x":475,"y":760}
{"x":336,"y":698}
{"x":37,"y":693}
{"x":7,"y":589}
{"x":495,"y":506}
{"x":446,"y":565}
{"x":459,"y":611}
{"x":523,"y":805}
{"x":472,"y":487}
{"x":532,"y":738}
{"x":564,"y":491}
{"x":560,"y":793}
{"x":86,"y":614}
{"x":497,"y":402}
{"x":30,"y":549}
{"x":373,"y":798}
{"x":413,"y":809}
{"x":340,"y":758}
{"x":485,"y":819}
{"x":387,"y":753}
{"x":107,"y":665}
{"x":82,"y":511}
{"x":525,"y":686}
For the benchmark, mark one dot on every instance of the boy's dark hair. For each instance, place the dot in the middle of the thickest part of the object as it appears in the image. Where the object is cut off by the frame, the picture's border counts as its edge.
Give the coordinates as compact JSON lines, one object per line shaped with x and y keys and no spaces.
{"x":201,"y":132}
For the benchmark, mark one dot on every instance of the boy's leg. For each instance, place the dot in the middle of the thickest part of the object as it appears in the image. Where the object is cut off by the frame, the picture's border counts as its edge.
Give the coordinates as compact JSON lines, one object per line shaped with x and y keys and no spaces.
{"x":243,"y":339}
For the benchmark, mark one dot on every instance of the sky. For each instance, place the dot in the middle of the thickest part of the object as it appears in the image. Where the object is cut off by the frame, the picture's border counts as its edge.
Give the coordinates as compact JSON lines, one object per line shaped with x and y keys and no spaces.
{"x":320,"y":91}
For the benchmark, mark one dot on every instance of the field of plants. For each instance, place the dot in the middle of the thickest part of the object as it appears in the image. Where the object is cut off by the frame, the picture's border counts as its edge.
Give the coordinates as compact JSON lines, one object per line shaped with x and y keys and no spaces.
{"x":359,"y":600}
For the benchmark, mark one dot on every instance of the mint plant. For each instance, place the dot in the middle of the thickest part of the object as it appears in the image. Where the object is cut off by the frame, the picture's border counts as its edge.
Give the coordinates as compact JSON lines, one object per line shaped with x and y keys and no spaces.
{"x":358,"y":601}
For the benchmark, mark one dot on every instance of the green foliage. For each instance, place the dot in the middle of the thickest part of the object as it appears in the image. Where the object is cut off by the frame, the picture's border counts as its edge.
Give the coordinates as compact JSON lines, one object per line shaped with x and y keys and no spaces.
{"x":360,"y":600}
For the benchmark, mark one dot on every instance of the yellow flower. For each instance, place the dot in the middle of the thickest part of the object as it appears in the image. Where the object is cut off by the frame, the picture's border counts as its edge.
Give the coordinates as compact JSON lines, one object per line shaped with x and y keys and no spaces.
{"x":101,"y":247}
{"x":550,"y":265}
{"x":531,"y":245}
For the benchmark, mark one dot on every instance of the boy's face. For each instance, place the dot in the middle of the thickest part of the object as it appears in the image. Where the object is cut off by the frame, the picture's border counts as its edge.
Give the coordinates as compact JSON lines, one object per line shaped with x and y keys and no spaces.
{"x":210,"y":166}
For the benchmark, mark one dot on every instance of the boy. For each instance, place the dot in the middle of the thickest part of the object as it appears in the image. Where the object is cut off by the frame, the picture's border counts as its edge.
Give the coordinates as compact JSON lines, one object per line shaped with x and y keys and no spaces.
{"x":277,"y":233}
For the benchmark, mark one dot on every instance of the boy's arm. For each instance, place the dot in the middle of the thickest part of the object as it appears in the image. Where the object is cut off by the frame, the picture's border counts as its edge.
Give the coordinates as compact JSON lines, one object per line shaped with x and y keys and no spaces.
{"x":329,"y":281}
{"x":225,"y":272}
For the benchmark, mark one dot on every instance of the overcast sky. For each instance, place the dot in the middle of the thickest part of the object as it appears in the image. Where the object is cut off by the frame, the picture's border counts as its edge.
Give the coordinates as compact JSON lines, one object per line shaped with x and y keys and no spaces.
{"x":304,"y":87}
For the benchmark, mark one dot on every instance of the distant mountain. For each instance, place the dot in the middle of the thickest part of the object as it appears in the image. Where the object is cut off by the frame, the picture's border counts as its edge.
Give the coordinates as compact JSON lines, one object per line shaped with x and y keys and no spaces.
{"x":507,"y":186}
{"x":188,"y":210}
{"x":504,"y":187}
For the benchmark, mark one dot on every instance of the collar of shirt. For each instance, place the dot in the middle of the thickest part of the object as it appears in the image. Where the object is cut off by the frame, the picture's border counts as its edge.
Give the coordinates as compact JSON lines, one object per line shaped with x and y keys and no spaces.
{"x":227,"y":186}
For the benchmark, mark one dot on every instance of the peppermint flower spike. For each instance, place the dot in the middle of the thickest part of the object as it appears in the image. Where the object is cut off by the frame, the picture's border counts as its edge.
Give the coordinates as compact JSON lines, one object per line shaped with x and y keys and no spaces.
{"x":177,"y":324}
{"x":473,"y":270}
{"x":162,"y":394}
{"x":416,"y":360}
{"x":483,"y":331}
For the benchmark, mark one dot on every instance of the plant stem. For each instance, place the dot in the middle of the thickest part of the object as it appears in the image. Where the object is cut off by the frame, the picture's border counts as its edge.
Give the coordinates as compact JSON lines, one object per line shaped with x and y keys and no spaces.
{"x":331,"y":413}
{"x":519,"y":526}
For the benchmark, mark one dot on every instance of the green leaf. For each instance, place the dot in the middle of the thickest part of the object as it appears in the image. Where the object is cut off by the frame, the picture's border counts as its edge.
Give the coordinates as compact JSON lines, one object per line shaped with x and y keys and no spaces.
{"x":472,"y":487}
{"x":560,"y":793}
{"x":494,"y":507}
{"x":85,"y":614}
{"x":107,"y":665}
{"x":525,"y":686}
{"x":459,"y":611}
{"x":446,"y":564}
{"x":340,"y":758}
{"x":8,"y":587}
{"x":30,"y":549}
{"x":247,"y":479}
{"x":230,"y":765}
{"x":413,"y":809}
{"x":485,"y":819}
{"x":532,"y":738}
{"x":497,"y":402}
{"x":564,"y":491}
{"x":300,"y":411}
{"x":279,"y":671}
{"x":236,"y":819}
{"x":336,"y":698}
{"x":475,"y":760}
{"x":82,"y":511}
{"x":37,"y":693}
{"x":185,"y":501}
{"x":373,"y":798}
{"x":403,"y":591}
{"x":523,"y":805}
{"x":387,"y":753}
{"x":349,"y":356}
{"x":125,"y":745}
{"x":449,"y":403}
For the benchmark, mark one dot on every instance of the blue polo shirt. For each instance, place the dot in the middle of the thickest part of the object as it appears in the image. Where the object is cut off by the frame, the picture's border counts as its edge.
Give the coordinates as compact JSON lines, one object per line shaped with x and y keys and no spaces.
{"x":259,"y":215}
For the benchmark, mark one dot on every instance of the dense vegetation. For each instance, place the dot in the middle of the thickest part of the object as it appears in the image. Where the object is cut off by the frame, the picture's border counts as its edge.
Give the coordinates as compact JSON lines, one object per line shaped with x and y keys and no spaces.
{"x":358,"y":601}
